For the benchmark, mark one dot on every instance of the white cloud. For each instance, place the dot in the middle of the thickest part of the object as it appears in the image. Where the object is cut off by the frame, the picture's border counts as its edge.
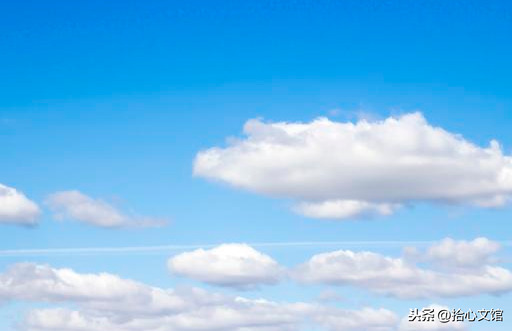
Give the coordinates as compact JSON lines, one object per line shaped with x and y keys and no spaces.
{"x":107,"y":302}
{"x":232,"y":315}
{"x":400,"y":278}
{"x":235,"y":315}
{"x":343,"y":170}
{"x":16,"y":208}
{"x":236,"y":265}
{"x":26,"y":281}
{"x":80,"y":207}
{"x":452,"y":253}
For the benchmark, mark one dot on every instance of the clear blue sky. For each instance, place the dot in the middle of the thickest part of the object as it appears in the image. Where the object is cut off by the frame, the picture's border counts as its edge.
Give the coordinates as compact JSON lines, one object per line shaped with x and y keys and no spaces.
{"x":116,"y":98}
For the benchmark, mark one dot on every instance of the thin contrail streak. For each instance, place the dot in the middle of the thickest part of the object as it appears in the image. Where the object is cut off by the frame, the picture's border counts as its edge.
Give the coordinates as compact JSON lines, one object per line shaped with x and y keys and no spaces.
{"x":169,"y":248}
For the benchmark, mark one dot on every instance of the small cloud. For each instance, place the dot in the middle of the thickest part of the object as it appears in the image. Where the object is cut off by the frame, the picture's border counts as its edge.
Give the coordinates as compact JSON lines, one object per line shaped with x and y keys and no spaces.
{"x":78,"y":206}
{"x":233,"y":265}
{"x":16,"y":208}
{"x":462,"y":253}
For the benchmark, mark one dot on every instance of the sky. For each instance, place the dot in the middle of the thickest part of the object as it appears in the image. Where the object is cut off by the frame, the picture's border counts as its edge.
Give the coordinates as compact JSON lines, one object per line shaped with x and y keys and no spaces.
{"x":254,"y":166}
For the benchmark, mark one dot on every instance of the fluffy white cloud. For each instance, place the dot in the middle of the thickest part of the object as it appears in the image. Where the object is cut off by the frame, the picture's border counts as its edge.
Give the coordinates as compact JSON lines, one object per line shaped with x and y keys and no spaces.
{"x":16,"y":208}
{"x":237,"y":315}
{"x":218,"y":318}
{"x":460,"y":254}
{"x":26,"y":281}
{"x":78,"y":206}
{"x":400,"y":278}
{"x":343,"y":170}
{"x":236,"y":265}
{"x":108,"y":302}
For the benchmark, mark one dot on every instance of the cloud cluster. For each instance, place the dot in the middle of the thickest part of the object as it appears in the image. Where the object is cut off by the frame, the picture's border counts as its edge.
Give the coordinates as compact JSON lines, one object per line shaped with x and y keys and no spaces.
{"x":345,"y":170}
{"x":78,"y":206}
{"x":107,"y":302}
{"x":236,"y":265}
{"x":450,"y":272}
{"x":16,"y":208}
{"x":103,"y":301}
{"x":449,"y":268}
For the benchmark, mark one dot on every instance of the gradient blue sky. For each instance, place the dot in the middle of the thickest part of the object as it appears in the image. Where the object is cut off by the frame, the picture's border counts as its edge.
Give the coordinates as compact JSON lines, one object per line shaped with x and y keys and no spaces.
{"x":116,"y":98}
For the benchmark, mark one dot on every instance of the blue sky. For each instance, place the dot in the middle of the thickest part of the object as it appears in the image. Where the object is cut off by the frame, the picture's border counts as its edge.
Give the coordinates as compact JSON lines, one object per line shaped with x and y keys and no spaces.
{"x":115,"y":100}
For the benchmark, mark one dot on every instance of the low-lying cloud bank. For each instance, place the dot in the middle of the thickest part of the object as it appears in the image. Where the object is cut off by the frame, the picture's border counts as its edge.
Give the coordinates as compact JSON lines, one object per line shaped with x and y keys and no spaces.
{"x":108,"y":302}
{"x":103,"y":301}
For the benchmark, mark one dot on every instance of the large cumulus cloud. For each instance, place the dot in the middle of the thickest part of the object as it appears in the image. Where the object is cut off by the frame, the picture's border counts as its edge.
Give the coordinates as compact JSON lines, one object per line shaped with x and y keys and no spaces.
{"x":344,"y":170}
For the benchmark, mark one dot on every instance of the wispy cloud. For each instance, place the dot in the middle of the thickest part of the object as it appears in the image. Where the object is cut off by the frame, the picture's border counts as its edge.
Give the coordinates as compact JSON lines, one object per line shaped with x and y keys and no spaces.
{"x":180,"y":247}
{"x":77,"y":206}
